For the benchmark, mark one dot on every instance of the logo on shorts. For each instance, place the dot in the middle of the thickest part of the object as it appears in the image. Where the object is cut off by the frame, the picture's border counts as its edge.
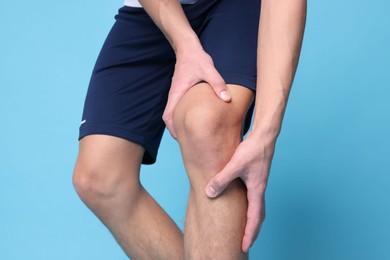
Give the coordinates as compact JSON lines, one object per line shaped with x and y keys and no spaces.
{"x":82,"y":122}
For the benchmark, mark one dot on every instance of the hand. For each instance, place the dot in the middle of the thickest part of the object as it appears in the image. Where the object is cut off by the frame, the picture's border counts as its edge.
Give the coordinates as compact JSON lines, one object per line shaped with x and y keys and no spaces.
{"x":193,"y":65}
{"x":251,"y":162}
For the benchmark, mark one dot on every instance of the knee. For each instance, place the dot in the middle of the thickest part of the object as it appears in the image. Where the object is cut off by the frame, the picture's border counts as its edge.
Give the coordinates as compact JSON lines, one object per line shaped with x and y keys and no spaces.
{"x":206,"y":124}
{"x":95,"y":184}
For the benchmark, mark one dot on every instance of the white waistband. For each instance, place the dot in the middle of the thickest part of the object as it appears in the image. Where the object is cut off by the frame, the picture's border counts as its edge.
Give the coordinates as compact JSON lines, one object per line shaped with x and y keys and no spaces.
{"x":135,"y":3}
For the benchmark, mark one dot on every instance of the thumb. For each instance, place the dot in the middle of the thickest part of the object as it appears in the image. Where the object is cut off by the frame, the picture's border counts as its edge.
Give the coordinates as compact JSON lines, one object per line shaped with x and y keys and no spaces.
{"x":220,"y":181}
{"x":219,"y":86}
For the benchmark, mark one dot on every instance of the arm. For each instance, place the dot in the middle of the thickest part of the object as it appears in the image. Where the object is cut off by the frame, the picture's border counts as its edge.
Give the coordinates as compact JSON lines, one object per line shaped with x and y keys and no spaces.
{"x":279,"y":43}
{"x":280,"y":37}
{"x":193,"y":64}
{"x":170,"y":18}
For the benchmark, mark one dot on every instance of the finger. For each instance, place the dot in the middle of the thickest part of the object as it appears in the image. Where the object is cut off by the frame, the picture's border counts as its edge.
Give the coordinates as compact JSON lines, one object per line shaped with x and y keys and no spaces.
{"x":220,"y":181}
{"x":255,"y":217}
{"x":168,"y":120}
{"x":219,"y":86}
{"x":173,"y":100}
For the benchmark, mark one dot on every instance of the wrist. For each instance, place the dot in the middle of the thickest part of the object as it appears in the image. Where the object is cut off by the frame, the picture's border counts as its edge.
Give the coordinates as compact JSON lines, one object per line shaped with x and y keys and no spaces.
{"x":265,"y":134}
{"x":186,"y":42}
{"x":267,"y":123}
{"x":264,"y":146}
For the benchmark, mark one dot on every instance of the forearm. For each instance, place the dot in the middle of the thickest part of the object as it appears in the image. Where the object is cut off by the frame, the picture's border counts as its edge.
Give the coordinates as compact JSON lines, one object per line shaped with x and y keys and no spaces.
{"x":280,"y":37}
{"x":169,"y":16}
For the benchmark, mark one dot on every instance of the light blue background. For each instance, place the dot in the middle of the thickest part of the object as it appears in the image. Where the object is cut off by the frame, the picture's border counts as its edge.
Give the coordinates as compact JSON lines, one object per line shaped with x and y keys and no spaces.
{"x":328,"y":193}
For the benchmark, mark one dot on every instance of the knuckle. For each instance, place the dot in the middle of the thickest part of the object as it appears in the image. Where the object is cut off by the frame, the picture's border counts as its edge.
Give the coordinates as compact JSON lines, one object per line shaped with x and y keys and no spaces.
{"x":219,"y":180}
{"x":166,"y":118}
{"x":215,"y":184}
{"x":218,"y":88}
{"x":221,"y":82}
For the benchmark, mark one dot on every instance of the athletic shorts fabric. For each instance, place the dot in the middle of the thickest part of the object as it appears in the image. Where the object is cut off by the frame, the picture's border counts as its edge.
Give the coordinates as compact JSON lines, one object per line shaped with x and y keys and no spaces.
{"x":130,"y":82}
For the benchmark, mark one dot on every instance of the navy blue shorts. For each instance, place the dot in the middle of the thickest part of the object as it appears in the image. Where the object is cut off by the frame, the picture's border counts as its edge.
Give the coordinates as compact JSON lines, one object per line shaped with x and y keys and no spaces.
{"x":130,"y":82}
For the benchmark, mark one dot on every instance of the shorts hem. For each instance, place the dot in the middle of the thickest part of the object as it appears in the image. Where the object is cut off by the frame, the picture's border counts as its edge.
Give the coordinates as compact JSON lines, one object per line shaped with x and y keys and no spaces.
{"x":149,"y":156}
{"x":242,"y":80}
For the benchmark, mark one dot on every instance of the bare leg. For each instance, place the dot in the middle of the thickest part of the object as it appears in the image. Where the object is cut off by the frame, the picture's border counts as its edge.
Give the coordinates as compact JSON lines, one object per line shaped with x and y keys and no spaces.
{"x":209,"y":131}
{"x":106,"y":177}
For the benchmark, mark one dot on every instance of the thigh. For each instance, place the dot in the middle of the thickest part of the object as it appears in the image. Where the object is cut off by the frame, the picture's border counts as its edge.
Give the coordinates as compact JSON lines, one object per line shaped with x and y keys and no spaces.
{"x":230,"y":37}
{"x":130,"y":82}
{"x":105,"y":157}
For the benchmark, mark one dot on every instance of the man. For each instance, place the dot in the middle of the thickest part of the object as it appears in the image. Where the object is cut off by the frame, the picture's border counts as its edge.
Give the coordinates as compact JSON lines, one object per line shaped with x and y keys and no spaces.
{"x":193,"y":65}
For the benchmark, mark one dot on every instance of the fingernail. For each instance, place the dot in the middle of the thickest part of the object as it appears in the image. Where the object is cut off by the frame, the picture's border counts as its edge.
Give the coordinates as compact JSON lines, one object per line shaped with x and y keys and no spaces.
{"x":211,"y":192}
{"x":225,"y":95}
